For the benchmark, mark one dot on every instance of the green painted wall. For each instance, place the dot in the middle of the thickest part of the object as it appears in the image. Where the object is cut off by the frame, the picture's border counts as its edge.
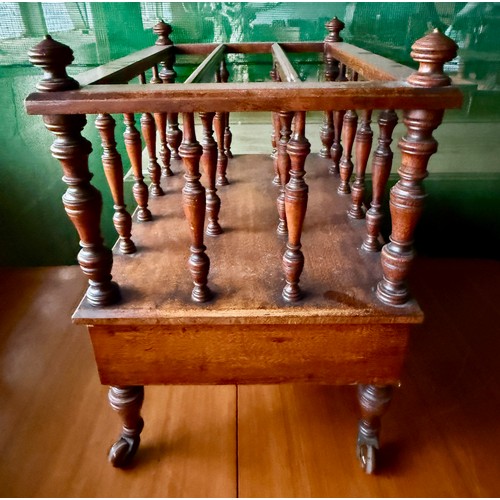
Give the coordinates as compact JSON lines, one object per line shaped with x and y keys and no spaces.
{"x":462,"y":215}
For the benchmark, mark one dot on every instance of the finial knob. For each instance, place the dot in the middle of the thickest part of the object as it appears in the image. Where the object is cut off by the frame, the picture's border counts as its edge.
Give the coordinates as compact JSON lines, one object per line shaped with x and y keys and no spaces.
{"x":334,"y":26}
{"x":53,"y":57}
{"x":163,"y":31}
{"x":432,"y":51}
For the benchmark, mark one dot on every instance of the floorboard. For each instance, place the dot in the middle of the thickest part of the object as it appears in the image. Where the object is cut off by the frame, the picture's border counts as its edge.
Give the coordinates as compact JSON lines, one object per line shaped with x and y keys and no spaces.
{"x":441,"y":435}
{"x":56,"y":425}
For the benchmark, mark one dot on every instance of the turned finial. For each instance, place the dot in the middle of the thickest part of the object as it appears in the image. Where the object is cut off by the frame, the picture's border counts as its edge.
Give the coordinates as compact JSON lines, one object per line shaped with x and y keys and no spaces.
{"x":334,"y":27}
{"x":53,"y":57}
{"x":432,"y":51}
{"x":163,"y":31}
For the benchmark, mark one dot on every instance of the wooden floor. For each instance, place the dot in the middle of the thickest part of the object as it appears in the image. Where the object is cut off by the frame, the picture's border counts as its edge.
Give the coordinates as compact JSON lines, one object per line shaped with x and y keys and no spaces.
{"x":441,"y":436}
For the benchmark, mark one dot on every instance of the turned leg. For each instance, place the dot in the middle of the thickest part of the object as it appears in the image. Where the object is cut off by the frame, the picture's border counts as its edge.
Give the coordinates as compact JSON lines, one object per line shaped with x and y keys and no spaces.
{"x":374,"y":402}
{"x":194,"y":201}
{"x":295,"y":206}
{"x":113,"y":170}
{"x":127,"y":402}
{"x":209,"y":165}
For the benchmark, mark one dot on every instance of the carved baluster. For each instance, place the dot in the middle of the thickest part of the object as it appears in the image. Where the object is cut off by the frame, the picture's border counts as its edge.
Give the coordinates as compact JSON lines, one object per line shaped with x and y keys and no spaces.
{"x":283,"y":163}
{"x":209,"y":165}
{"x":364,"y":139}
{"x":127,"y":402}
{"x":374,"y":402}
{"x":295,"y":205}
{"x":220,"y":127}
{"x":161,"y":126}
{"x":82,"y":201}
{"x":168,"y":75}
{"x":407,"y":196}
{"x":194,"y":208}
{"x":228,"y":136}
{"x":113,"y":169}
{"x":381,"y":168}
{"x":327,"y":132}
{"x":346,"y":166}
{"x":133,"y":145}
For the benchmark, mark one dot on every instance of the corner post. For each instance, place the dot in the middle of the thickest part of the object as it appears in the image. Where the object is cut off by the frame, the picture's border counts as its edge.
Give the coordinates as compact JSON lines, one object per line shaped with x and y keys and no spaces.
{"x":82,"y":201}
{"x":417,"y":146}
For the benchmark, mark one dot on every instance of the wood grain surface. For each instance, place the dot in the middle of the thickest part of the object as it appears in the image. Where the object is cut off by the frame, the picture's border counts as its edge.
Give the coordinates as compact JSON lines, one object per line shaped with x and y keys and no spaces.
{"x":245,"y":274}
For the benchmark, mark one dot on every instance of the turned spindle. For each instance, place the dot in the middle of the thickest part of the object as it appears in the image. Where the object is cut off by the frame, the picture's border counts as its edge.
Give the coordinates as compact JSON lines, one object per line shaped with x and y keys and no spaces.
{"x":53,"y":57}
{"x":363,"y":146}
{"x":417,"y":146}
{"x":148,"y":129}
{"x":336,"y":149}
{"x":374,"y":402}
{"x":338,"y":116}
{"x":133,"y":146}
{"x":220,"y":127}
{"x":127,"y":402}
{"x":327,"y":131}
{"x":209,"y":166}
{"x":276,"y":133}
{"x":82,"y":201}
{"x":113,"y":169}
{"x":228,"y":136}
{"x":346,"y":166}
{"x":168,"y":75}
{"x":164,"y":153}
{"x":296,"y":189}
{"x":381,"y":168}
{"x":194,"y":201}
{"x":161,"y":126}
{"x":283,"y":163}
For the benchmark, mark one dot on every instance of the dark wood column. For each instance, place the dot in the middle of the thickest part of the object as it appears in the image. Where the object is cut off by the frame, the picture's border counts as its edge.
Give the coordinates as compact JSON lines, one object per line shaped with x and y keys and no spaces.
{"x":407,"y":196}
{"x":295,"y":206}
{"x":82,"y":201}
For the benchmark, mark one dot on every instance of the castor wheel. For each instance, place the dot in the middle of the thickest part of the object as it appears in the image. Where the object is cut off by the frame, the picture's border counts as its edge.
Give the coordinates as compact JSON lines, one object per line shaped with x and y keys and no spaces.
{"x":367,"y":455}
{"x":122,"y":452}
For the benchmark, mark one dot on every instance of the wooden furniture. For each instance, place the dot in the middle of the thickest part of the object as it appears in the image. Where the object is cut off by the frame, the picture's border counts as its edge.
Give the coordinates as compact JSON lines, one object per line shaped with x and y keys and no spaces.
{"x":288,"y":283}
